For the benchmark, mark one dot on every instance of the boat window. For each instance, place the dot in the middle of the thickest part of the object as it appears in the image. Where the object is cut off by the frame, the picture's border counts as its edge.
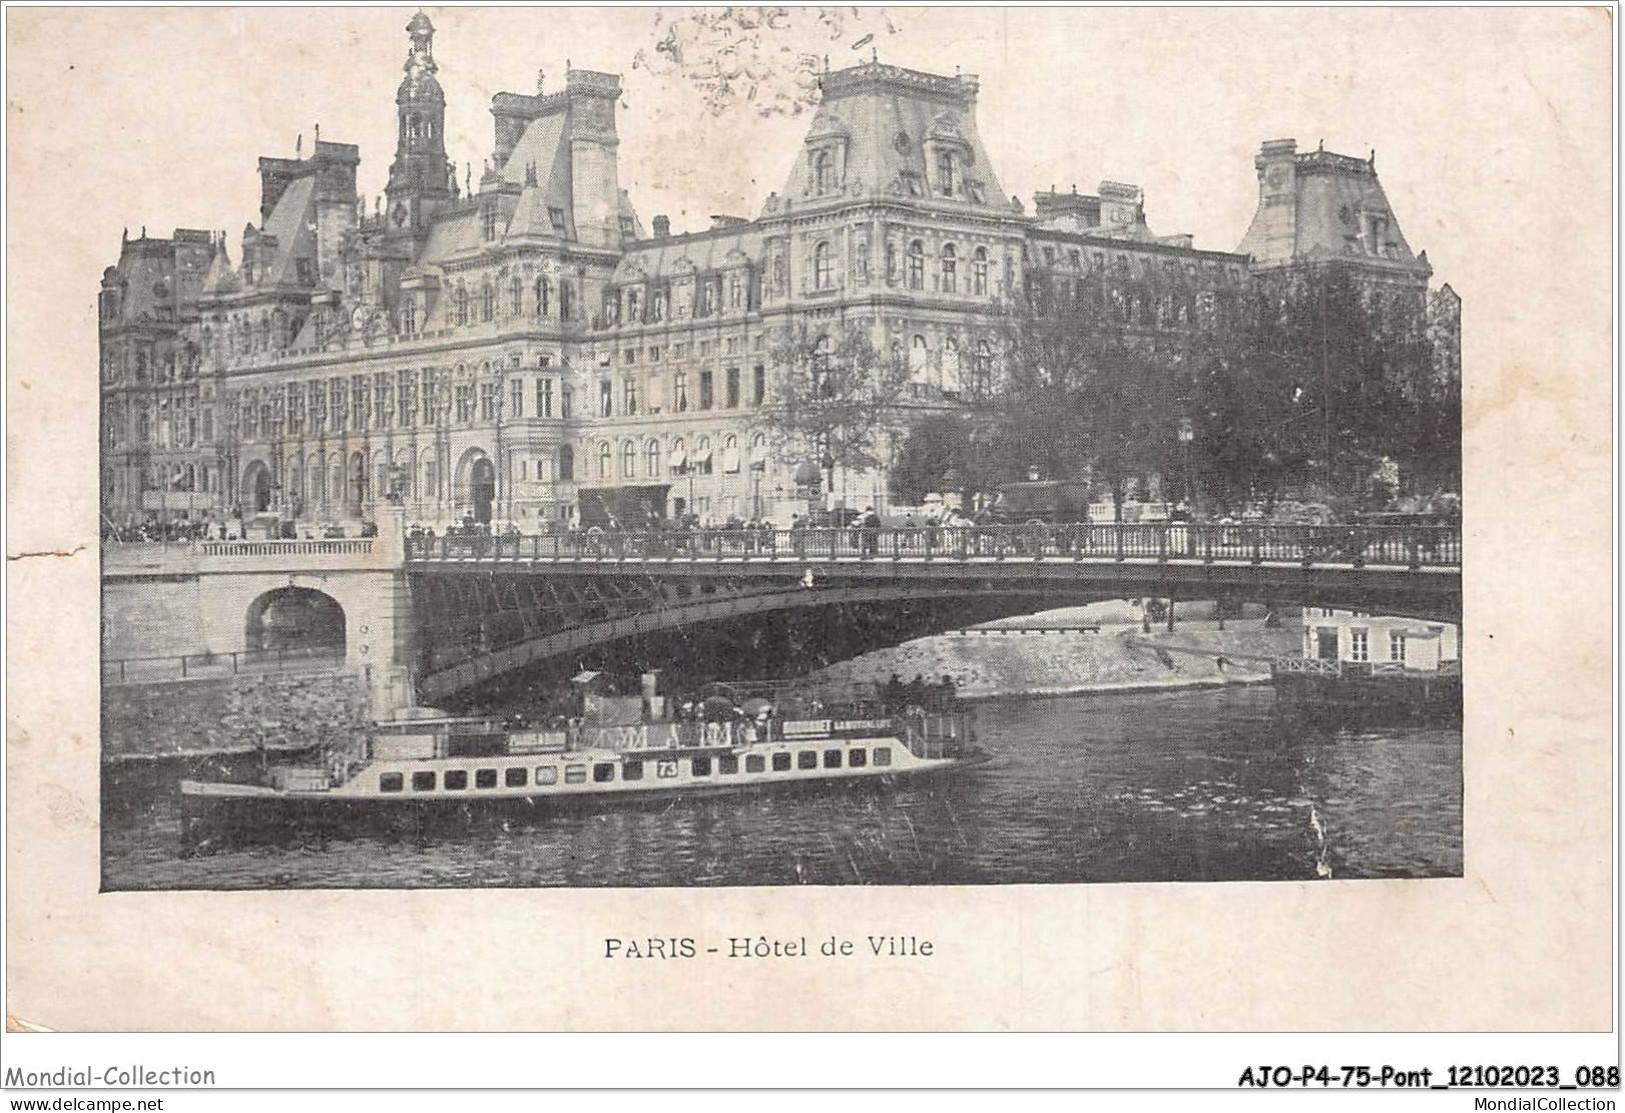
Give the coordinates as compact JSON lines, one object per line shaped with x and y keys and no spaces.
{"x":882,"y":755}
{"x":699,"y":766}
{"x":832,"y":759}
{"x":603,"y":771}
{"x":390,"y":782}
{"x":781,"y":762}
{"x":547,"y":774}
{"x":755,"y":763}
{"x":485,"y":778}
{"x":423,"y":781}
{"x":728,"y":764}
{"x":857,"y":757}
{"x":575,"y":774}
{"x":807,"y":759}
{"x":513,"y":778}
{"x":632,"y":771}
{"x":456,"y":779}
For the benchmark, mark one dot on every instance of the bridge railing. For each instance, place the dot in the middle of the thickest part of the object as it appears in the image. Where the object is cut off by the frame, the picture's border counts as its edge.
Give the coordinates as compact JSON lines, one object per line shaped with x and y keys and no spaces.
{"x":1404,"y":546}
{"x":348,"y":546}
{"x":188,"y":666}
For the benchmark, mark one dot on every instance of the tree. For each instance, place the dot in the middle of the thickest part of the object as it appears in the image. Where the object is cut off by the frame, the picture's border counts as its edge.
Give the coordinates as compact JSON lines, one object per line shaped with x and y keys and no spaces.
{"x":834,"y":397}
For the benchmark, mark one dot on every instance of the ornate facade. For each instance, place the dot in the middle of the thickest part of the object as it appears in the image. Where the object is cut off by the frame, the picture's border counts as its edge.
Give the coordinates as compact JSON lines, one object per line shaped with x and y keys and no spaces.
{"x":505,"y":347}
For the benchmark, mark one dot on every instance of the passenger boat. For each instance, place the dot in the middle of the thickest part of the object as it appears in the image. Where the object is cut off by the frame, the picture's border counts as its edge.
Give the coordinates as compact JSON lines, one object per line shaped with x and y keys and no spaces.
{"x":420,"y":767}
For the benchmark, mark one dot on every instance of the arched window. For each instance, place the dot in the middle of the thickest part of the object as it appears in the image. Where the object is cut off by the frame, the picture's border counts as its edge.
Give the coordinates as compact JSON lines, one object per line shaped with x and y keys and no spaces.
{"x":604,"y":456}
{"x":516,"y":295}
{"x":823,"y":173}
{"x":462,"y":304}
{"x":950,"y":269}
{"x":541,"y":297}
{"x":916,"y":265}
{"x":565,"y":299}
{"x":567,"y":462}
{"x":978,"y":272}
{"x":651,"y":462}
{"x":634,"y":304}
{"x":950,"y":366}
{"x":918,"y":355}
{"x":702,"y":455}
{"x":823,"y":267}
{"x":488,"y":302}
{"x":984,"y":368}
{"x":629,"y":460}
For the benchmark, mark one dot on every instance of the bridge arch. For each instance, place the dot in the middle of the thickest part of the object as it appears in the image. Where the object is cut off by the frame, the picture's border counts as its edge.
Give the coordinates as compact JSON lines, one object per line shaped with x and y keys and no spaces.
{"x":295,"y":620}
{"x":453,"y":668}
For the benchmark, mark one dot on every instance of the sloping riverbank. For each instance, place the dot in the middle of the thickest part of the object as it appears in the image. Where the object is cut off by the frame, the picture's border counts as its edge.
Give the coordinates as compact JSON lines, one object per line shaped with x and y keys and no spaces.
{"x":988,"y":662}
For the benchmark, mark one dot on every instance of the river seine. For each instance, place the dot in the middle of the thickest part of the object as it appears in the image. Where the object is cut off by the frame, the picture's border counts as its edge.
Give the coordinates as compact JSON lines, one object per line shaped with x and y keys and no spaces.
{"x":1178,"y":786}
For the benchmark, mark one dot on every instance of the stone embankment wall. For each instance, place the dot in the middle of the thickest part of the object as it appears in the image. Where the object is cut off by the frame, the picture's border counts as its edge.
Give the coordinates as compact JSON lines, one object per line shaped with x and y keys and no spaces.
{"x":238,"y":714}
{"x":1117,"y":658}
{"x":153,"y":617}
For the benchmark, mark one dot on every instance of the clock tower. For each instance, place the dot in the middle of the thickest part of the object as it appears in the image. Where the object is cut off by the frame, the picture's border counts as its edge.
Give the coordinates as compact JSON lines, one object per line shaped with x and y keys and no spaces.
{"x":420,"y":178}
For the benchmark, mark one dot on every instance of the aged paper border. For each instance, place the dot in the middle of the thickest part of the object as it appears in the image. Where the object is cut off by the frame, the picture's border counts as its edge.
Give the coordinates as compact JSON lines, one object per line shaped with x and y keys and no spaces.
{"x":1523,"y":941}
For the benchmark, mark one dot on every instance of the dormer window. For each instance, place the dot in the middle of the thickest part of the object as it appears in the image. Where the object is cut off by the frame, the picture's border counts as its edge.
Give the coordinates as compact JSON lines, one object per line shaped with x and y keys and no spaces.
{"x":488,"y":222}
{"x":627,"y":230}
{"x":945,"y":172}
{"x":556,"y":215}
{"x":823,"y":173}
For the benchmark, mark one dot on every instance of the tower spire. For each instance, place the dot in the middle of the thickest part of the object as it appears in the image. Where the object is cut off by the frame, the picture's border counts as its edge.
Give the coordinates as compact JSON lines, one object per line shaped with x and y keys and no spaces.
{"x":420,"y":170}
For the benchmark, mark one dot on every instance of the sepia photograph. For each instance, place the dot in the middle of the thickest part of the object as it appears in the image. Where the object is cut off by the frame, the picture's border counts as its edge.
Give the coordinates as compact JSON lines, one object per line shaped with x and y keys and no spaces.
{"x":946,"y":518}
{"x":493,"y":529}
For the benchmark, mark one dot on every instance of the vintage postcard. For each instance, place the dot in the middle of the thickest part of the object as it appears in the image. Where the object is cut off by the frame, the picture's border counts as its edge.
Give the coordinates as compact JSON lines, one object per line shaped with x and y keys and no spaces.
{"x":834,"y":502}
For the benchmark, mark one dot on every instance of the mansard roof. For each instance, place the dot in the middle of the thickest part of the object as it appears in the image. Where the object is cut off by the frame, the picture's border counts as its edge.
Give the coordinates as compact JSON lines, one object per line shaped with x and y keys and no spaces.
{"x":221,"y":279}
{"x":544,"y":147}
{"x":293,"y":223}
{"x":455,"y":231}
{"x":696,"y":252}
{"x":886,"y":115}
{"x":1318,"y":206}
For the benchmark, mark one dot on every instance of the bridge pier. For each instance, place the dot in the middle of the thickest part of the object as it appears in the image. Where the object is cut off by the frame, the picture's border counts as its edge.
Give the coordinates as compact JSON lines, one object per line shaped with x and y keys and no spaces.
{"x":209,"y":602}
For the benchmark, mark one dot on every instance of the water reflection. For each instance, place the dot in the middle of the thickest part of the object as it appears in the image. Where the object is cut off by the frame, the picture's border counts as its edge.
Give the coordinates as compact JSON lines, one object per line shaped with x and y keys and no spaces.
{"x":1190,"y":786}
